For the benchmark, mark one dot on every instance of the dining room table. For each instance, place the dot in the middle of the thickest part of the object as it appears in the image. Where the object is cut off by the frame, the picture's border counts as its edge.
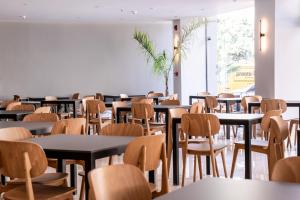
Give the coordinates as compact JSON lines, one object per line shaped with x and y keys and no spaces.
{"x":233,"y":189}
{"x":15,"y":115}
{"x":65,"y":102}
{"x":245,"y":120}
{"x":36,"y":128}
{"x":88,"y":148}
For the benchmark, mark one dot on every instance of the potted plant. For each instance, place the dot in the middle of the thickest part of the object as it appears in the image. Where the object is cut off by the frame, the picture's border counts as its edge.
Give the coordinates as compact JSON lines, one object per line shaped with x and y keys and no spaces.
{"x":162,"y":64}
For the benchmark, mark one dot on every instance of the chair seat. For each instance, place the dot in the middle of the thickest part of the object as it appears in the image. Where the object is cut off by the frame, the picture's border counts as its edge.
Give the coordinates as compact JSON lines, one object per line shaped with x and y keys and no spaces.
{"x":204,"y":147}
{"x":41,"y":192}
{"x":54,"y":179}
{"x":258,"y":143}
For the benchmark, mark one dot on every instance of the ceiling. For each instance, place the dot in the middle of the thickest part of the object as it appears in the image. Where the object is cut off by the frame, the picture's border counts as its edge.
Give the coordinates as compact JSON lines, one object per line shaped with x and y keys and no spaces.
{"x":113,"y":10}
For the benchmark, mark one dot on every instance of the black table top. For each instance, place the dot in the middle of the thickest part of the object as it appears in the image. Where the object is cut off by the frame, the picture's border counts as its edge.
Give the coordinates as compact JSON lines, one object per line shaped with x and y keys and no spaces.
{"x":81,"y":143}
{"x":62,"y":101}
{"x":36,"y":128}
{"x":288,"y":102}
{"x":162,"y":106}
{"x":229,"y":189}
{"x":31,"y":102}
{"x":14,"y":112}
{"x":230,"y":99}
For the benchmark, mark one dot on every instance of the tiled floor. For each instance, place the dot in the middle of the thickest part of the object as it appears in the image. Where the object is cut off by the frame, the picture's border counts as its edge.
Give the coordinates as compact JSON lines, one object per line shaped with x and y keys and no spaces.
{"x":259,"y":164}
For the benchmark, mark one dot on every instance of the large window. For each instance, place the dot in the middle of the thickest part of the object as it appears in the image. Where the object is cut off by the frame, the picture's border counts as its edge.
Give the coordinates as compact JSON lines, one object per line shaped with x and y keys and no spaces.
{"x":235,"y":44}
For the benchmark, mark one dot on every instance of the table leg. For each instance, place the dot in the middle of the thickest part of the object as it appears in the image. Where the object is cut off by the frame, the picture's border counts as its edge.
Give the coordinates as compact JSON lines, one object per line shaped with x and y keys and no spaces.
{"x":208,"y":165}
{"x":227,"y":126}
{"x":152,"y":176}
{"x":249,"y":108}
{"x":190,"y":100}
{"x":175,"y":154}
{"x":61,"y":165}
{"x":88,"y":166}
{"x":298,"y":143}
{"x":167,"y":126}
{"x":248,"y":166}
{"x":74,"y":110}
{"x":73,"y":175}
{"x":118,"y":115}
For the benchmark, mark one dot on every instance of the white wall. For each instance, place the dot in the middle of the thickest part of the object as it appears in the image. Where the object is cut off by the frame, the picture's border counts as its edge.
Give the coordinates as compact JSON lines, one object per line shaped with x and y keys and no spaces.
{"x":59,"y":59}
{"x":287,"y":49}
{"x":264,"y":61}
{"x":193,"y":64}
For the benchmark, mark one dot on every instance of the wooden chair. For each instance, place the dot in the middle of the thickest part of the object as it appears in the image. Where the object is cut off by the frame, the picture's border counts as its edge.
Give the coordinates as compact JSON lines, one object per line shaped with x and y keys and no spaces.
{"x":196,"y":108}
{"x":19,"y":134}
{"x":134,"y":130}
{"x":287,"y":170}
{"x":41,"y":117}
{"x":140,"y":98}
{"x":273,"y":148}
{"x":202,"y":125}
{"x":143,"y":113}
{"x":123,"y":129}
{"x":211,"y":104}
{"x":222,"y":105}
{"x":44,"y":109}
{"x":173,"y":96}
{"x":17,"y":97}
{"x":146,"y":153}
{"x":115,"y":105}
{"x":26,"y":160}
{"x":94,"y":109}
{"x":118,"y":182}
{"x":155,"y":94}
{"x":76,"y":96}
{"x":83,"y":107}
{"x":170,"y":102}
{"x":273,"y":104}
{"x":5,"y":103}
{"x":99,"y":96}
{"x":249,"y":99}
{"x":12,"y":104}
{"x":23,"y":107}
{"x":72,"y":126}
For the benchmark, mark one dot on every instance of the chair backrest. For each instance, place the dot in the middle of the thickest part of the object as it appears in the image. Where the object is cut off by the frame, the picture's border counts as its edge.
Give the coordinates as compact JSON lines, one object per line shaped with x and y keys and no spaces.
{"x":155,"y":94}
{"x":118,"y":182}
{"x":41,"y":117}
{"x":12,"y":159}
{"x":50,"y":98}
{"x":170,"y":102}
{"x":5,"y":103}
{"x":173,"y":96}
{"x":72,"y":126}
{"x":177,"y":112}
{"x":84,"y":99}
{"x":203,"y":93}
{"x":123,"y":96}
{"x":140,"y":98}
{"x":226,"y":95}
{"x":287,"y":170}
{"x":266,"y":120}
{"x":211,"y":102}
{"x":273,"y":104}
{"x":142,"y":111}
{"x":99,"y":96}
{"x":12,"y":104}
{"x":123,"y":130}
{"x":76,"y":95}
{"x":146,"y":152}
{"x":249,"y":99}
{"x":23,"y":107}
{"x":15,"y":134}
{"x":95,"y":106}
{"x":44,"y":109}
{"x":17,"y":97}
{"x":115,"y":105}
{"x":279,"y":131}
{"x":200,"y":124}
{"x":196,"y":108}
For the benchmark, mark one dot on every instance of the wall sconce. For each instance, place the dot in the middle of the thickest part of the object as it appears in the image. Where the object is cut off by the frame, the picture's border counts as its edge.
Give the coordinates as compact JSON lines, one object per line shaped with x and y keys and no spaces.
{"x":263,"y":35}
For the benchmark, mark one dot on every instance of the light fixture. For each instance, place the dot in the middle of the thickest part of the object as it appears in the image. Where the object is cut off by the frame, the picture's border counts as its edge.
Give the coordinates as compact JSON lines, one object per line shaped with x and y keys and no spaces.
{"x":263,"y":35}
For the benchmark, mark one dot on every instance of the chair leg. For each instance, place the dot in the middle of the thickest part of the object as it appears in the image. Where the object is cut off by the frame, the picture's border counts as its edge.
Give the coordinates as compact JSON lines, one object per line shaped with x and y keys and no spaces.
{"x":224,"y":163}
{"x":213,"y":163}
{"x":82,"y":189}
{"x":110,"y":161}
{"x":235,"y":153}
{"x":217,"y":169}
{"x":200,"y":166}
{"x":296,"y":135}
{"x":195,"y":167}
{"x":184,"y":154}
{"x":289,"y":143}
